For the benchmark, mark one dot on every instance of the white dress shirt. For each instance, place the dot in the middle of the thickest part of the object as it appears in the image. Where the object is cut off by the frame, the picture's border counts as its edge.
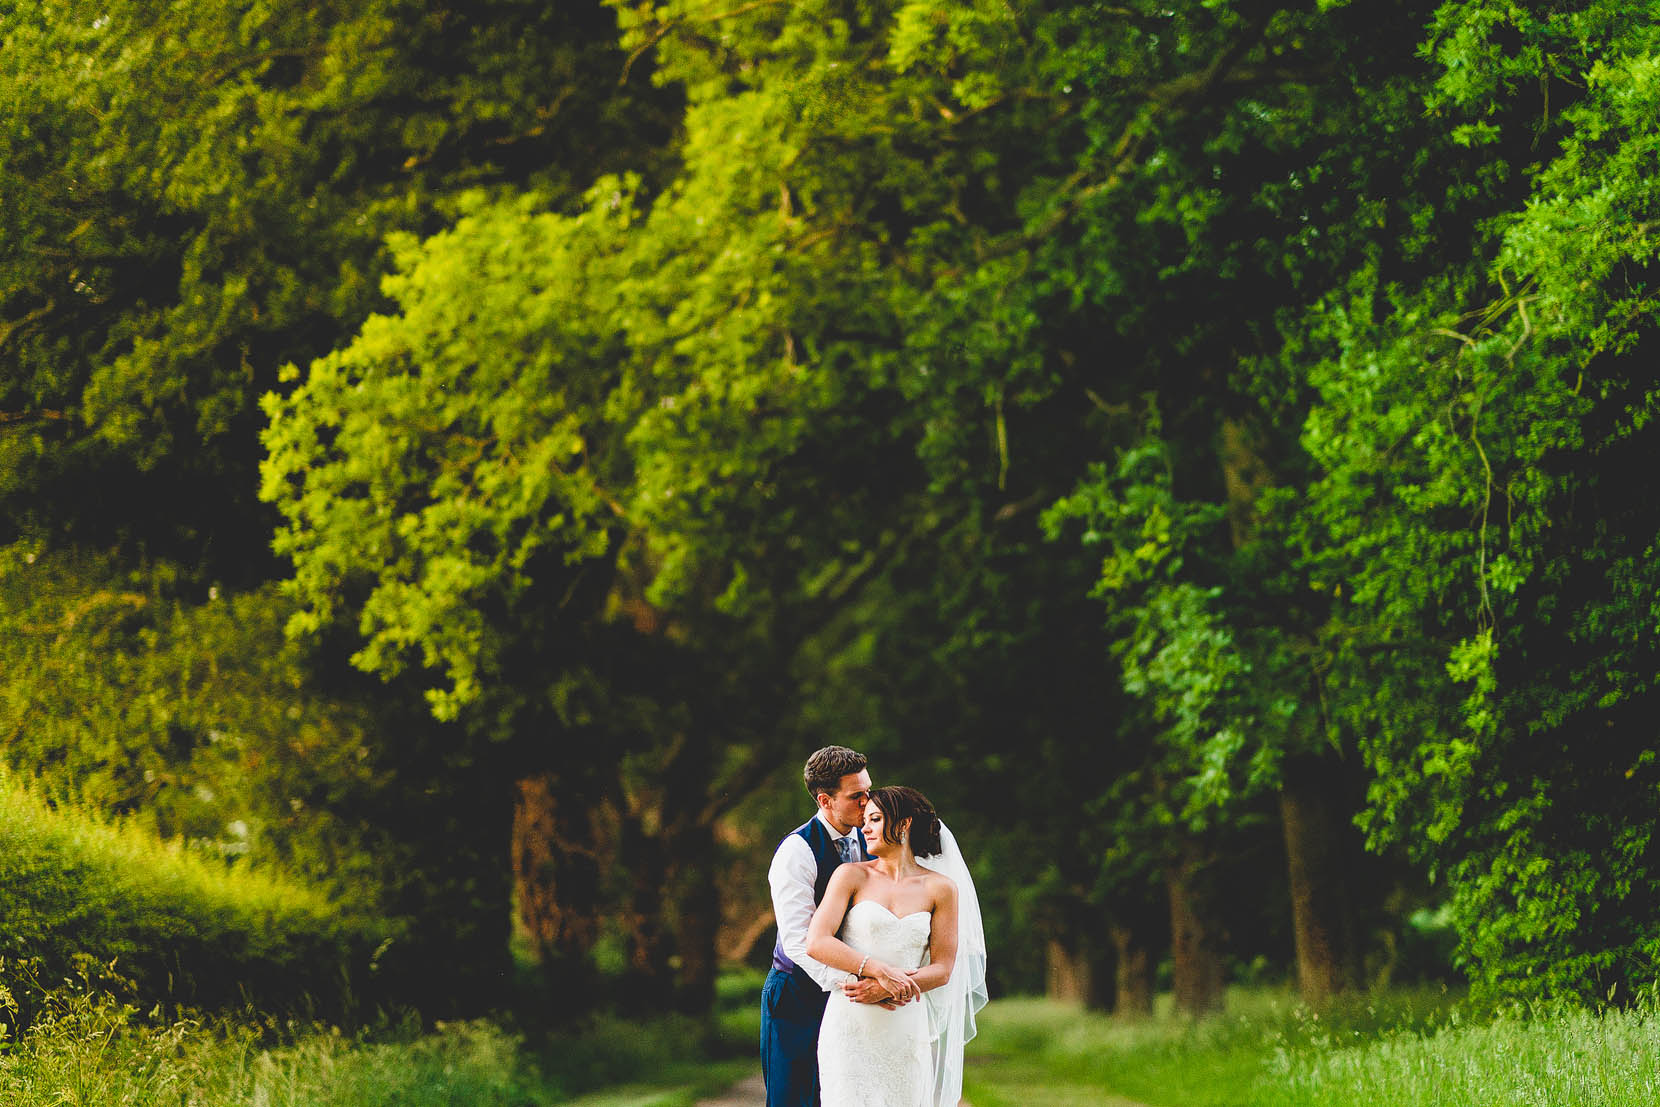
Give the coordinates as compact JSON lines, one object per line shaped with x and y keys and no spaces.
{"x":793,"y":873}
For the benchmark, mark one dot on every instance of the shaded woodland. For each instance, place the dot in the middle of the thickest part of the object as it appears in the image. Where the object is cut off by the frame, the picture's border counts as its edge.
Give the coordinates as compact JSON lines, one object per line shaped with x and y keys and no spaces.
{"x":466,"y":456}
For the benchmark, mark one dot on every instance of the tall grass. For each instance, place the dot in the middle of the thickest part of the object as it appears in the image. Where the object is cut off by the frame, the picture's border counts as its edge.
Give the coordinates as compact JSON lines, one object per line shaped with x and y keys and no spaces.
{"x":85,"y":1049}
{"x":1401,"y":1049}
{"x":89,"y":1051}
{"x":1605,"y":1059}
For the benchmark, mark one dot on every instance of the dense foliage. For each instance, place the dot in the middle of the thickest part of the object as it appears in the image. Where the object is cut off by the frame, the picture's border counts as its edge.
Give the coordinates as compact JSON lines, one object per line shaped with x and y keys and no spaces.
{"x":1477,"y":432}
{"x":186,"y":206}
{"x":112,"y":907}
{"x":1192,"y":441}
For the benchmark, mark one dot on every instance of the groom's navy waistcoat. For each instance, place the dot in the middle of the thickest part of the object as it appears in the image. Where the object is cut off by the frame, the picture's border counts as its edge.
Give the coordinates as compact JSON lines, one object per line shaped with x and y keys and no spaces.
{"x":824,"y":852}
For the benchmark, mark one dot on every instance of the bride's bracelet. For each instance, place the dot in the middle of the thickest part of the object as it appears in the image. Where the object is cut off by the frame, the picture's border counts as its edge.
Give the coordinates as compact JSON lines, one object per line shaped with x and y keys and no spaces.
{"x":860,"y":971}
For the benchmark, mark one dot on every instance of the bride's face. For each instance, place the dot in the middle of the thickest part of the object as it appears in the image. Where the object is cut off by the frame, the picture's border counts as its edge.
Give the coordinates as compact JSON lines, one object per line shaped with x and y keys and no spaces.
{"x":874,"y":822}
{"x":873,"y":828}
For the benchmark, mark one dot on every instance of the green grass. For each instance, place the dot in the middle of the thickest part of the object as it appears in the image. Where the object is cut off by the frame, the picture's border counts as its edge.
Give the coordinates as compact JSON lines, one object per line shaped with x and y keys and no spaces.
{"x":86,"y":1049}
{"x":1042,"y":1054}
{"x":1606,"y":1059}
{"x":1401,"y":1049}
{"x":99,"y":1056}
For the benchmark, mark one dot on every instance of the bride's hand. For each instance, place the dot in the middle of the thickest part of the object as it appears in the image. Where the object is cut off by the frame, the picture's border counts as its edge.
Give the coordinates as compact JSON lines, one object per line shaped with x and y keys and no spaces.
{"x":896,"y":983}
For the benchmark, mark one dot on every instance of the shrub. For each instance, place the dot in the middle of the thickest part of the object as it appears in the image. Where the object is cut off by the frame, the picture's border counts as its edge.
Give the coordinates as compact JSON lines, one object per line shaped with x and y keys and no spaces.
{"x":164,"y":925}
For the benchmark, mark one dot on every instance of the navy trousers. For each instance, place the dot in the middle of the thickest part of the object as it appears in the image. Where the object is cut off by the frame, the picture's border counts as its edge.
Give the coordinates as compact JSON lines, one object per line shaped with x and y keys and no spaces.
{"x":792,"y":1007}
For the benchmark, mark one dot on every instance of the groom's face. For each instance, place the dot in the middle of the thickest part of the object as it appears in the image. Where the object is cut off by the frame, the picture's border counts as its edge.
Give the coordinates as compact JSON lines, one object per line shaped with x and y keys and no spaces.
{"x":846,"y":809}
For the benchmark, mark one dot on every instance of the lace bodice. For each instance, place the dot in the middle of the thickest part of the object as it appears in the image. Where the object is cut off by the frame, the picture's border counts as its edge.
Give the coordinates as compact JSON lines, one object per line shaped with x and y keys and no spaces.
{"x":901,"y":941}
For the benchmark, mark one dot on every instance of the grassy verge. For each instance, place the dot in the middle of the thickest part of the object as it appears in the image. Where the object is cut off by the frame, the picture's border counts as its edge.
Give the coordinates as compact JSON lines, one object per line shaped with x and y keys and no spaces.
{"x":652,"y":1066}
{"x":1032,"y":1053}
{"x":1566,"y":1059}
{"x":1397,"y":1050}
{"x":86,"y":1049}
{"x":92,"y":1053}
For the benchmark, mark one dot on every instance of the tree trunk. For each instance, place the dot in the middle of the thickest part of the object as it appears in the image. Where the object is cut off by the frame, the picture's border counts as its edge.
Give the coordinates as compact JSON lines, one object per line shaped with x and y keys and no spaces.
{"x":693,"y":893}
{"x":1244,"y":476}
{"x":556,"y":872}
{"x":666,"y":851}
{"x":1133,"y":979}
{"x":476,"y":970}
{"x":1077,"y":963}
{"x":1194,"y":939}
{"x":1065,"y":975}
{"x":698,"y":906}
{"x":1068,"y":975}
{"x":1323,"y":920}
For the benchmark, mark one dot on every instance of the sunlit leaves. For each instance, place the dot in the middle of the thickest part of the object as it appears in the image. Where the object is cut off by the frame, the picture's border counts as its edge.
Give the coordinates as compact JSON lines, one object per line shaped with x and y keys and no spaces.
{"x":1470,"y":497}
{"x":187,"y":204}
{"x":445,"y":451}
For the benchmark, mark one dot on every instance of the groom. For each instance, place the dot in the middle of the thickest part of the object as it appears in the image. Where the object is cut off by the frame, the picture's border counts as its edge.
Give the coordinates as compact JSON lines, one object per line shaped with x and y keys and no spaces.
{"x":797,"y":988}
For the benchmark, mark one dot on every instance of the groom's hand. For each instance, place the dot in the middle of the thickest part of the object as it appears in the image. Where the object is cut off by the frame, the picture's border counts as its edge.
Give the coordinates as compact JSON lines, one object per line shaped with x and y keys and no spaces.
{"x":897,"y":983}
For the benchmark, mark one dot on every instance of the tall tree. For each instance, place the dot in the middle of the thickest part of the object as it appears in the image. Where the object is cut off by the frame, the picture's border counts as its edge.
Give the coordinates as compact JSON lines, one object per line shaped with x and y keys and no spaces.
{"x":867,"y":310}
{"x":186,"y":206}
{"x":190,"y":204}
{"x":1476,"y":429}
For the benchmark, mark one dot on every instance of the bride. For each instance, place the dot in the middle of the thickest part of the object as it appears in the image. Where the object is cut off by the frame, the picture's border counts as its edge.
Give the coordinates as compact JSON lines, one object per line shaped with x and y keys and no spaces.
{"x":895,"y":921}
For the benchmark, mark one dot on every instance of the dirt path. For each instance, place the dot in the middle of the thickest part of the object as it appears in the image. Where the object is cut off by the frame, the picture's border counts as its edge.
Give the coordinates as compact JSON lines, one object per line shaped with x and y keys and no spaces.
{"x":745,"y":1093}
{"x":753,"y":1093}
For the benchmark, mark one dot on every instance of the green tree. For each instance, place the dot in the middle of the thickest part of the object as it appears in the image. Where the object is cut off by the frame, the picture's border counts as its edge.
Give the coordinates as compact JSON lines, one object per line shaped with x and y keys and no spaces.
{"x":1476,"y":431}
{"x":685,"y":440}
{"x":186,"y":206}
{"x":1240,"y":184}
{"x":614,"y":473}
{"x":846,"y":336}
{"x":191,"y":204}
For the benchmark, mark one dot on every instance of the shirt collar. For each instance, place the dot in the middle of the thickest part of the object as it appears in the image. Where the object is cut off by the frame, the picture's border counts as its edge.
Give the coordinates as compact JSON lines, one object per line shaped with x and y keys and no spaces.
{"x":833,"y":833}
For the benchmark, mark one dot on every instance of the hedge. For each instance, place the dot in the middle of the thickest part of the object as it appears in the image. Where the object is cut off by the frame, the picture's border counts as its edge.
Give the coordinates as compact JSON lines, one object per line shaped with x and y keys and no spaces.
{"x":168,"y":926}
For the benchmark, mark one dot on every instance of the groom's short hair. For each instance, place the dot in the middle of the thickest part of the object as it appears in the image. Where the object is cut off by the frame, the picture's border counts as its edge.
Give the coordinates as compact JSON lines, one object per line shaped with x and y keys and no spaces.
{"x":826,"y":767}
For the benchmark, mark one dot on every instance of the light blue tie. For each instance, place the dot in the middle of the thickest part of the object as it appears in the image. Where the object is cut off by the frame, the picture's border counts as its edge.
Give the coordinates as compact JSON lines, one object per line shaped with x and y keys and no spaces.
{"x":849,"y":851}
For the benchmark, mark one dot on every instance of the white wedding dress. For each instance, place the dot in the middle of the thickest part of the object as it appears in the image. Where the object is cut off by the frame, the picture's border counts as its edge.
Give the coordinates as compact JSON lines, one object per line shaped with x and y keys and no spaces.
{"x":869,"y":1056}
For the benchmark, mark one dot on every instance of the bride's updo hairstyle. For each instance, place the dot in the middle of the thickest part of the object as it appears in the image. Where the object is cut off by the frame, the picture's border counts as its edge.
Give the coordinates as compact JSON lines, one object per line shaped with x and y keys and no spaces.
{"x":899,"y":803}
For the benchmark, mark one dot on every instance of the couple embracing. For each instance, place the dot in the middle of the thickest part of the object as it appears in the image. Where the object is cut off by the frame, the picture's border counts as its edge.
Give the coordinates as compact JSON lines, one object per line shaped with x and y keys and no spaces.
{"x":880,"y":965}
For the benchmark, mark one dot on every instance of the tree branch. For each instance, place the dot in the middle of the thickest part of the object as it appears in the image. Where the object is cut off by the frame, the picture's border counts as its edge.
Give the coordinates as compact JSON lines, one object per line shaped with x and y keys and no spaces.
{"x":9,"y":329}
{"x":657,"y":35}
{"x":45,"y":413}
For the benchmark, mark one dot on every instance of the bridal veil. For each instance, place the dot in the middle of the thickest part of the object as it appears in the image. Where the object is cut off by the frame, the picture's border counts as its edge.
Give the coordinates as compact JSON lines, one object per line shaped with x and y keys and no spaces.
{"x":952,"y":1008}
